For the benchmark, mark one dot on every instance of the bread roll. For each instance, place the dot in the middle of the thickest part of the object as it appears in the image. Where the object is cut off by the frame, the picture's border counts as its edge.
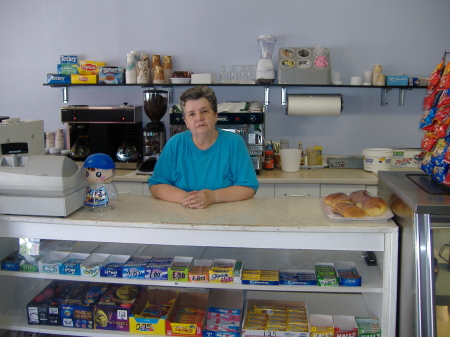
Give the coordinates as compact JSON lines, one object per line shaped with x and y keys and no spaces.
{"x":333,"y":199}
{"x":374,"y":206}
{"x":359,"y":197}
{"x":348,"y":210}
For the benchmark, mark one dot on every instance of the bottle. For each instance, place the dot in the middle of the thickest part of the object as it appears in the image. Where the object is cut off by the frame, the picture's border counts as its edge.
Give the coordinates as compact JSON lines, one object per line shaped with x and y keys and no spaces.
{"x":130,"y":71}
{"x":302,"y":155}
{"x":269,"y":159}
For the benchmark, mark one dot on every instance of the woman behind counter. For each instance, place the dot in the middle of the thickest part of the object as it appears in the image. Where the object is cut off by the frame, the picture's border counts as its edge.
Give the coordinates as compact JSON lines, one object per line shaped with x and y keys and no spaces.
{"x":203,"y":165}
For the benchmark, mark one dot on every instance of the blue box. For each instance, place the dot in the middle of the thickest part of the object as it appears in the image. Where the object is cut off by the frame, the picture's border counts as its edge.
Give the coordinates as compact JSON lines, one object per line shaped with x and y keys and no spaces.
{"x":135,"y":267}
{"x":400,"y":80}
{"x":77,"y":309}
{"x":71,"y":264}
{"x":348,"y":274}
{"x":297,"y":277}
{"x":157,"y":268}
{"x":112,"y":266}
{"x":68,"y":59}
{"x":58,"y":79}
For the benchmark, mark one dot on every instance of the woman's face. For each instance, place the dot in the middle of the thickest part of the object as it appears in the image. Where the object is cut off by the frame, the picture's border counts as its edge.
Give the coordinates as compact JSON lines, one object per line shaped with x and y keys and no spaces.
{"x":200,"y":119}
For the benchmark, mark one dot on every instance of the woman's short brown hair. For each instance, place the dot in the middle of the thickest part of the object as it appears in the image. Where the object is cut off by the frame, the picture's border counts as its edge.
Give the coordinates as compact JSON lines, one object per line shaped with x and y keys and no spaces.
{"x":198,"y":92}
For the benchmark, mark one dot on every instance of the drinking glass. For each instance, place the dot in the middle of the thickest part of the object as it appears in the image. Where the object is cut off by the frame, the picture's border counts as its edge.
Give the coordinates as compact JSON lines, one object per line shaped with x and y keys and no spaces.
{"x":224,"y":76}
{"x":234,"y":75}
{"x":251,"y":75}
{"x":243,"y":76}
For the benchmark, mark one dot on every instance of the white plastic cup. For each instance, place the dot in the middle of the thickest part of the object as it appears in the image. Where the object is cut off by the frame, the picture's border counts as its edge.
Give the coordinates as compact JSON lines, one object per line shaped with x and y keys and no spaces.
{"x":356,"y":80}
{"x":290,"y":160}
{"x":377,"y":159}
{"x":368,"y":76}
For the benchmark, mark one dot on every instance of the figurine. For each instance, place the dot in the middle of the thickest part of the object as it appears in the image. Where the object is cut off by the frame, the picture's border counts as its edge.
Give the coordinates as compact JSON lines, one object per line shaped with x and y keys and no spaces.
{"x":101,"y":193}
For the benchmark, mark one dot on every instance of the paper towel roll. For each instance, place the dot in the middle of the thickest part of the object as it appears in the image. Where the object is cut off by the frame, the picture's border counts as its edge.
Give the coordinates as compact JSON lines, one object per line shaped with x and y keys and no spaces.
{"x":314,"y":105}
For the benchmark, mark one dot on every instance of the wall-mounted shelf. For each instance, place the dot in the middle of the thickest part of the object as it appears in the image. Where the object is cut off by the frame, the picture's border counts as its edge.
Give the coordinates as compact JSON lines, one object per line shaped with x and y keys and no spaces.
{"x":284,"y":87}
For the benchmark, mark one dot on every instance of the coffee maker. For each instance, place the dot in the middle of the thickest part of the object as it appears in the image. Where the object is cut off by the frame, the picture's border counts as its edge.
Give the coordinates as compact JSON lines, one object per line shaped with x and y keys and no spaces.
{"x":154,"y":133}
{"x":113,"y":130}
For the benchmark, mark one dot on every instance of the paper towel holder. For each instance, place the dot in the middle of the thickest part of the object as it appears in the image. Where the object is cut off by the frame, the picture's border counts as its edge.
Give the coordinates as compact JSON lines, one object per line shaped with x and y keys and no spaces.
{"x":285,"y":97}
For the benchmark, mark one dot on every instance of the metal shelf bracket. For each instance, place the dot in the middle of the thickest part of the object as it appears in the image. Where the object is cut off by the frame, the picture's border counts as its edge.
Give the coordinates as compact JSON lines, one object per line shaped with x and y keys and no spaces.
{"x":266,"y":96}
{"x":65,"y":92}
{"x":401,"y":97}
{"x":384,"y":92}
{"x":283,"y":95}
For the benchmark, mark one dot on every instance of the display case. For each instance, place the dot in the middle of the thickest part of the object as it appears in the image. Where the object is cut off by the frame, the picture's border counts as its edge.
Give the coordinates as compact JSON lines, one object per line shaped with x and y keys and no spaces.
{"x":264,"y":233}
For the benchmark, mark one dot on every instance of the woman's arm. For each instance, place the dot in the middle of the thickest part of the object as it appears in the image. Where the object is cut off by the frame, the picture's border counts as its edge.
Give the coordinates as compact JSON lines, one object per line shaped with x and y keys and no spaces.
{"x":168,"y":193}
{"x":204,"y":198}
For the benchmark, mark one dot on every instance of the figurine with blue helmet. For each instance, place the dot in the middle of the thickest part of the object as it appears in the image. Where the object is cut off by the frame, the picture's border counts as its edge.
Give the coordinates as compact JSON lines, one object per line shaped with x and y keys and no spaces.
{"x":101,"y":193}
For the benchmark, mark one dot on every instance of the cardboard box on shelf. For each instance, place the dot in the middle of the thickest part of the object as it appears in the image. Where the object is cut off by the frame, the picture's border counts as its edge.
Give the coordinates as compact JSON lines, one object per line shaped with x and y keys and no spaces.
{"x":92,"y":265}
{"x":349,"y":275}
{"x":179,"y":268}
{"x":321,"y":326}
{"x":71,"y":264}
{"x":115,"y":306}
{"x":50,"y":262}
{"x":345,"y":326}
{"x":112,"y":265}
{"x":293,"y":305}
{"x":199,"y":270}
{"x":405,"y":158}
{"x":193,"y":301}
{"x":151,"y":326}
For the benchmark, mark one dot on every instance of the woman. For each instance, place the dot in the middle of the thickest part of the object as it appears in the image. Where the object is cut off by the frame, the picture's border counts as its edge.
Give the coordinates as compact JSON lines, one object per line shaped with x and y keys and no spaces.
{"x":203,"y":165}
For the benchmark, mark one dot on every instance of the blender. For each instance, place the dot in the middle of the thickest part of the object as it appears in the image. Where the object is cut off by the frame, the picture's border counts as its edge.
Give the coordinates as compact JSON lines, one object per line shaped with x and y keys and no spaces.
{"x":265,"y":70}
{"x":155,"y":107}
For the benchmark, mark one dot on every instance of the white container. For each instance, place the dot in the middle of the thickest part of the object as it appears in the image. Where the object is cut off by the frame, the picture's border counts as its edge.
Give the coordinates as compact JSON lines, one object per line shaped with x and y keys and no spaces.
{"x":290,"y":160}
{"x":377,"y":159}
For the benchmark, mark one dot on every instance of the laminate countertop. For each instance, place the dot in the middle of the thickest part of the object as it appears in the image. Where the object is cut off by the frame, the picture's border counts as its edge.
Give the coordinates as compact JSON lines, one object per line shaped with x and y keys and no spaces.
{"x":276,"y":176}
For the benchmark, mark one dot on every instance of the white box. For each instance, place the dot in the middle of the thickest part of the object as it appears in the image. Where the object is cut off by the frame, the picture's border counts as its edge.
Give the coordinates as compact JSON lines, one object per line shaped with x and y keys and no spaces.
{"x":91,"y":266}
{"x":49,"y":264}
{"x":203,"y":78}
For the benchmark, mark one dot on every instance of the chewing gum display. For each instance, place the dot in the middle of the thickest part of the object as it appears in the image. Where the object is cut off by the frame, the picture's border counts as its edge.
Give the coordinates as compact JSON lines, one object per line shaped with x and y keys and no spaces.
{"x":326,"y":274}
{"x":261,"y":277}
{"x":222,"y":271}
{"x":297,"y":277}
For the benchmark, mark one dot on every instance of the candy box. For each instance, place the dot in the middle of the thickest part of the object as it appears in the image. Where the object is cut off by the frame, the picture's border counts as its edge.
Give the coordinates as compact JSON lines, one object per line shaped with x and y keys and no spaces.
{"x":58,"y":79}
{"x":112,"y":265}
{"x":179,"y":268}
{"x":321,"y":326}
{"x":111,"y":75}
{"x":135,"y":267}
{"x":44,"y":308}
{"x":71,"y":59}
{"x":326,"y":274}
{"x":83,"y":79}
{"x":222,"y":271}
{"x":77,"y":310}
{"x":199,"y":271}
{"x":263,"y":306}
{"x":405,"y":158}
{"x":141,"y":322}
{"x":13,"y":261}
{"x":67,"y":69}
{"x":50,"y":262}
{"x":368,"y":327}
{"x":115,"y":306}
{"x":260,"y":277}
{"x":157,"y":268}
{"x":345,"y":326}
{"x":71,"y":264}
{"x":187,"y":316}
{"x":400,"y":80}
{"x":348,"y":274}
{"x":92,"y":265}
{"x":223,"y":316}
{"x":297,"y":277}
{"x":89,"y":67}
{"x":237,"y":272}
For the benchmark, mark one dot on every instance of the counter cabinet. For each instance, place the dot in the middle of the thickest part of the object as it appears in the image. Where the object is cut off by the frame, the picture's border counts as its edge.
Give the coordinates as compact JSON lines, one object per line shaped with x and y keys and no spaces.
{"x":295,"y":233}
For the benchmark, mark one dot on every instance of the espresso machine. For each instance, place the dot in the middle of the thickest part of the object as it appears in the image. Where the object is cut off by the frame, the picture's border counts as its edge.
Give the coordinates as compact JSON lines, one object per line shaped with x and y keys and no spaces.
{"x":154,"y":133}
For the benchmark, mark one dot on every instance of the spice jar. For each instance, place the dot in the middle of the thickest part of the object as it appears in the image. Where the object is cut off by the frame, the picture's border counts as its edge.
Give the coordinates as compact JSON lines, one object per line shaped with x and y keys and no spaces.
{"x":269,"y":159}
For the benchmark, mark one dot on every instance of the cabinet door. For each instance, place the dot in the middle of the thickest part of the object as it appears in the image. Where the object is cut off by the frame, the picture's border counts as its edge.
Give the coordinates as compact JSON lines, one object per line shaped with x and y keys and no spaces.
{"x":265,"y":191}
{"x":297,"y":190}
{"x":326,"y":189}
{"x":128,"y":188}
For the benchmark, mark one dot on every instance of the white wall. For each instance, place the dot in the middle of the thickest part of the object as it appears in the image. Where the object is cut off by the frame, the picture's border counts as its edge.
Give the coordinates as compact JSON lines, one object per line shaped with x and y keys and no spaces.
{"x":404,"y":36}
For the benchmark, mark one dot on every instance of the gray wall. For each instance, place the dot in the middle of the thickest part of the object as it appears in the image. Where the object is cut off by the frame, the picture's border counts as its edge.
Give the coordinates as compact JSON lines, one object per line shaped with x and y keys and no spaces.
{"x":404,"y":36}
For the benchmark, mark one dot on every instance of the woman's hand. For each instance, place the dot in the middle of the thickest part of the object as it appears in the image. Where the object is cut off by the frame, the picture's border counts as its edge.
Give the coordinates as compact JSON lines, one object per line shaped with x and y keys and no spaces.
{"x":199,"y":199}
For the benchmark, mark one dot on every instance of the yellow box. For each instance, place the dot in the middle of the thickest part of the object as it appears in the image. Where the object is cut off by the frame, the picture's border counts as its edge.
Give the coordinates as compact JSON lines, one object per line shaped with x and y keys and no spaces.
{"x":83,"y":79}
{"x":151,"y":326}
{"x":89,"y":67}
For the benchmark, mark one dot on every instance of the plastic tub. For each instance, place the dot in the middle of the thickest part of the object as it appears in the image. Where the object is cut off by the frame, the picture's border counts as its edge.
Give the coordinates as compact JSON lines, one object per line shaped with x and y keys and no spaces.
{"x":377,"y":159}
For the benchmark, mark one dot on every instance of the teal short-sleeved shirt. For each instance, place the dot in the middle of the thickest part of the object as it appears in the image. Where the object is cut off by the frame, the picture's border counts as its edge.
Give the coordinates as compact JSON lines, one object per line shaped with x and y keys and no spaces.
{"x":226,"y":163}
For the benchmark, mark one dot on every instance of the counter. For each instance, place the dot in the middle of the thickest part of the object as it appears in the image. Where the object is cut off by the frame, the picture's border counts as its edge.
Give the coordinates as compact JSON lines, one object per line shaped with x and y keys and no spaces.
{"x":304,"y":176}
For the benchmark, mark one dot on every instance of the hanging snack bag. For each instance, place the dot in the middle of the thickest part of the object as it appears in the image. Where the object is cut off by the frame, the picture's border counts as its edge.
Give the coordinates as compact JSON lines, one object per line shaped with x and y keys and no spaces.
{"x":435,"y":76}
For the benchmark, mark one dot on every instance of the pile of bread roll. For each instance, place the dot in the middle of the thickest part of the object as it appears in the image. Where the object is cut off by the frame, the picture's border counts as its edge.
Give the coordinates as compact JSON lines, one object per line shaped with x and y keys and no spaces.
{"x":358,"y":204}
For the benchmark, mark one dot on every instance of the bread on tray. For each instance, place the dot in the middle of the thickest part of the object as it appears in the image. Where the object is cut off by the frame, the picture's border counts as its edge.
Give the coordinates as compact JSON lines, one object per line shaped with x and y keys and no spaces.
{"x":348,"y":210}
{"x":374,"y":206}
{"x":333,"y":199}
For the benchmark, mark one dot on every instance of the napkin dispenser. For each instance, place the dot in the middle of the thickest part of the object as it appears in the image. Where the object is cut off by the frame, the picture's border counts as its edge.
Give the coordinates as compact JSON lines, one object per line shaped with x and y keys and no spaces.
{"x":43,"y":185}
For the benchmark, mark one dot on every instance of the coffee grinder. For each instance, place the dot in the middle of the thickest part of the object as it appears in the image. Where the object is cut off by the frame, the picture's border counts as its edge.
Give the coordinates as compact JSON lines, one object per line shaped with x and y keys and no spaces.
{"x":155,"y":107}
